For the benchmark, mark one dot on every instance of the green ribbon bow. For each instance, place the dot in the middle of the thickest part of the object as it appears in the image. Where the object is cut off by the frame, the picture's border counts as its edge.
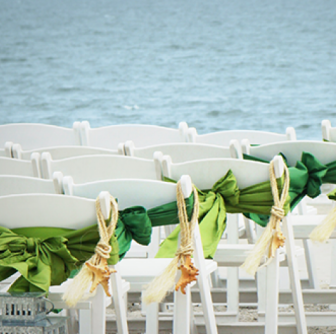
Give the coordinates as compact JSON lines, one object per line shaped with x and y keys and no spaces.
{"x":224,"y":197}
{"x":46,"y":256}
{"x":306,"y":177}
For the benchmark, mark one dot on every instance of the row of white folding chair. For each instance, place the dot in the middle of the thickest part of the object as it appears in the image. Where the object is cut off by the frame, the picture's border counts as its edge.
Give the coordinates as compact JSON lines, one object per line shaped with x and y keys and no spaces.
{"x":34,"y":135}
{"x":148,"y":193}
{"x":204,"y":174}
{"x":255,"y":137}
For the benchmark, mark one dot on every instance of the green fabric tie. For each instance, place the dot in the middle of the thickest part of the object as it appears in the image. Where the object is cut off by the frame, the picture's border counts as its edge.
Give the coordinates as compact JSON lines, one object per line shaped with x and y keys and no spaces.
{"x":306,"y":177}
{"x":46,"y":256}
{"x":224,"y":197}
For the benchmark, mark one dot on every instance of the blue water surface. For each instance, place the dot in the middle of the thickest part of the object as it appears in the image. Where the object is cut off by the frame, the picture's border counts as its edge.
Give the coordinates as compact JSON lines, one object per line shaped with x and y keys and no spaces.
{"x":216,"y":64}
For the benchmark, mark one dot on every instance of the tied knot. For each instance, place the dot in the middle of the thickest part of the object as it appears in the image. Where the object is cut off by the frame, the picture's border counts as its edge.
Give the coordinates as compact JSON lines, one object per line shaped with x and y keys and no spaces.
{"x":103,"y":249}
{"x":278,"y":212}
{"x":184,"y":250}
{"x":31,"y":244}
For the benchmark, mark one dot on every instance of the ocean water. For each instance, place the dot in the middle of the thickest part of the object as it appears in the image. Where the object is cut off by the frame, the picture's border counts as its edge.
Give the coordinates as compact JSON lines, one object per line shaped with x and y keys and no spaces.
{"x":217,"y":64}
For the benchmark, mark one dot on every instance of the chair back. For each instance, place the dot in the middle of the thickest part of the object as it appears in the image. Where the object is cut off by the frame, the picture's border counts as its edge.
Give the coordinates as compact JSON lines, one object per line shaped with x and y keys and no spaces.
{"x":31,"y":135}
{"x":49,"y":210}
{"x":14,"y":184}
{"x":101,"y":167}
{"x":63,"y":152}
{"x":255,"y":137}
{"x":205,"y":173}
{"x":129,"y":192}
{"x":292,"y":150}
{"x":181,"y":152}
{"x":10,"y":166}
{"x":142,"y":135}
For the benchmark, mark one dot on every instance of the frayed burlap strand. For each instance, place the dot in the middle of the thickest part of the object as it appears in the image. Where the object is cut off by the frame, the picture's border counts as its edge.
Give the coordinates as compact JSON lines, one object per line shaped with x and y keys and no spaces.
{"x":80,"y":284}
{"x":323,"y":231}
{"x":272,"y":237}
{"x":161,"y":285}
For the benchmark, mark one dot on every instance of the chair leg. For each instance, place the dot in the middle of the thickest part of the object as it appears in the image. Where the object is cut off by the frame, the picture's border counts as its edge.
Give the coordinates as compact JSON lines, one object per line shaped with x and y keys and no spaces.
{"x":98,"y":312}
{"x":311,"y":268}
{"x":85,"y":321}
{"x":182,"y":304}
{"x":204,"y":286}
{"x":118,"y":301}
{"x":261,"y":277}
{"x":152,"y":318}
{"x":272,"y":293}
{"x":294,"y":278}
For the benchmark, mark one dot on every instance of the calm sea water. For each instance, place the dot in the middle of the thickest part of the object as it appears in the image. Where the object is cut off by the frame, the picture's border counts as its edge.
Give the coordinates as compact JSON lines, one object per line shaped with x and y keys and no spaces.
{"x":215,"y":64}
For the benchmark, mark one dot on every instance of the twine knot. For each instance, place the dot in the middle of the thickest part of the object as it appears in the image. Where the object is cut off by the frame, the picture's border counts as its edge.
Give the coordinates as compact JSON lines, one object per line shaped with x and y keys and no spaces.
{"x":103,"y":249}
{"x":185,"y":250}
{"x":278,"y":212}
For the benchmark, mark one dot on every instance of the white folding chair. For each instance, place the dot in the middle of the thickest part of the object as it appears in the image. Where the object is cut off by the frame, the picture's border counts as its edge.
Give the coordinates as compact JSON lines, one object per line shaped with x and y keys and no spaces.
{"x":139,"y":271}
{"x":63,"y":152}
{"x":181,"y":152}
{"x":325,"y":152}
{"x":255,"y":137}
{"x":205,"y":173}
{"x":70,"y":212}
{"x":100,"y":167}
{"x":142,"y":135}
{"x":33,"y":135}
{"x":10,"y":166}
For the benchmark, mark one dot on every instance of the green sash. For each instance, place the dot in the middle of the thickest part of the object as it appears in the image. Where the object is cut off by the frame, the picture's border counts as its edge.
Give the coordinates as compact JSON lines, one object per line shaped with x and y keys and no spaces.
{"x":224,"y":197}
{"x":46,"y":256}
{"x":306,"y":177}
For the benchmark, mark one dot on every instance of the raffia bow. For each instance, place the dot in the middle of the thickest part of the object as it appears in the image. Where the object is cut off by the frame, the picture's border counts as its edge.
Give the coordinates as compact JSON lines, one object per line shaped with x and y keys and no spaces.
{"x":95,"y":271}
{"x":272,"y":237}
{"x":160,"y":286}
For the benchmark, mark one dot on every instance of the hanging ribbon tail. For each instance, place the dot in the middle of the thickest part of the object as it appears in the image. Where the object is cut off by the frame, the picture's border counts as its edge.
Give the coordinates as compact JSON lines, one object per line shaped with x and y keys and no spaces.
{"x":95,"y":271}
{"x":323,"y":231}
{"x":161,"y":285}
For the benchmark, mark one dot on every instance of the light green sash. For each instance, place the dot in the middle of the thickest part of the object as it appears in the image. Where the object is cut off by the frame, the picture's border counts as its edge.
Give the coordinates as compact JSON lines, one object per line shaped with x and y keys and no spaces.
{"x":224,"y":197}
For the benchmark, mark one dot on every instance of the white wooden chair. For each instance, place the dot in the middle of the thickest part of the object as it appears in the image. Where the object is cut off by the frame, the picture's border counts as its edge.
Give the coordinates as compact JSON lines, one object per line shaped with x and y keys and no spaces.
{"x":63,"y":152}
{"x":34,"y":210}
{"x":10,"y":166}
{"x":139,"y":271}
{"x":325,"y":152}
{"x":204,"y":174}
{"x":32,"y":135}
{"x":100,"y":167}
{"x":142,"y":135}
{"x":256,"y":137}
{"x":181,"y":152}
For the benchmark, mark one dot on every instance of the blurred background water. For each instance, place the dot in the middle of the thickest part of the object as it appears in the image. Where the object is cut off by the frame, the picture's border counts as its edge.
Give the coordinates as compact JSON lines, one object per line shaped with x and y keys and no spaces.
{"x":216,"y":64}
